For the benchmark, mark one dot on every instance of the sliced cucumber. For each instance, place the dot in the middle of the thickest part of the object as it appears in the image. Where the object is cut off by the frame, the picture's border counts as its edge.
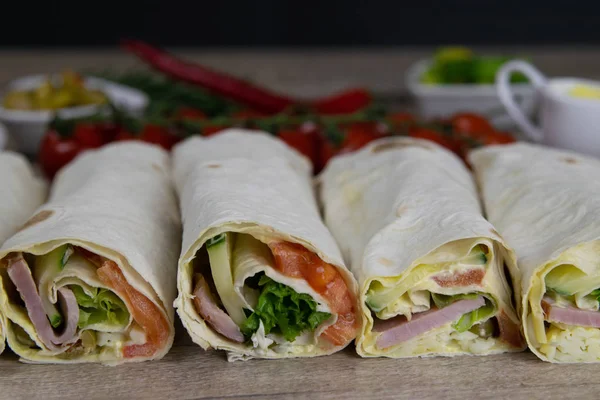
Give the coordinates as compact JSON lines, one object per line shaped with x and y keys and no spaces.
{"x":474,"y":317}
{"x":46,"y":268}
{"x":379,"y":296}
{"x":567,"y":279}
{"x":477,"y":256}
{"x":220,"y":250}
{"x":213,"y":241}
{"x":443,"y":300}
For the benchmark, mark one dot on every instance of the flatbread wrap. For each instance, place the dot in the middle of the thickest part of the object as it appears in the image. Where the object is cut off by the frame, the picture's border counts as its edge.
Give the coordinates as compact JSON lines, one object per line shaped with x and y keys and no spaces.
{"x":431,"y":270}
{"x":546,"y":204}
{"x":22,"y":193}
{"x":260,"y":276}
{"x":91,"y":276}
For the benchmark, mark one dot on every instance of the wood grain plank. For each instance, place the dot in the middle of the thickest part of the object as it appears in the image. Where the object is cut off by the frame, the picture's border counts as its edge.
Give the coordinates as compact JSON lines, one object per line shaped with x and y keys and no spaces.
{"x":188,"y":372}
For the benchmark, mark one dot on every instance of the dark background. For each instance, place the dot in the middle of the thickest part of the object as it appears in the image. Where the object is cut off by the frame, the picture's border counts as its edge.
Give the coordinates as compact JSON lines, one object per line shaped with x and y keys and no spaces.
{"x":279,"y":23}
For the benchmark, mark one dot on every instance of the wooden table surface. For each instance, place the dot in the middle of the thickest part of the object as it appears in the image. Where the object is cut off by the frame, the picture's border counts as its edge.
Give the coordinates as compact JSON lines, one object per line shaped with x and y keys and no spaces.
{"x":190,"y":373}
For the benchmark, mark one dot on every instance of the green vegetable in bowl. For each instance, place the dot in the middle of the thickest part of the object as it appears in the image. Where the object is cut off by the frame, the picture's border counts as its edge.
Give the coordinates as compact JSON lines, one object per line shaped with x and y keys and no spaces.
{"x":459,"y":65}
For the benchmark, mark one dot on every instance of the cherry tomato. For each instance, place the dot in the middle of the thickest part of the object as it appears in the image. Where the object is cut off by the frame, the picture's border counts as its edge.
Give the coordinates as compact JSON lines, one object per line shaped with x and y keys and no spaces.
{"x":89,"y":135}
{"x":352,"y":137}
{"x":246,"y":114}
{"x":212,"y":130}
{"x":400,"y":122}
{"x":109,"y":130}
{"x":159,"y":135}
{"x":401,"y":118}
{"x":56,"y":152}
{"x":326,"y":152}
{"x":190,"y":113}
{"x":437,"y":137}
{"x":498,"y":138}
{"x":358,"y":136}
{"x":472,"y":124}
{"x":304,"y":141}
{"x":124,"y":135}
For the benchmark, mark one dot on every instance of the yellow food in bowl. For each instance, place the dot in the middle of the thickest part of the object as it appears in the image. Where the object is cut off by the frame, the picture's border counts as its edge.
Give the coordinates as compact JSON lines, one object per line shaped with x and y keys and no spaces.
{"x":48,"y":96}
{"x":585,"y":92}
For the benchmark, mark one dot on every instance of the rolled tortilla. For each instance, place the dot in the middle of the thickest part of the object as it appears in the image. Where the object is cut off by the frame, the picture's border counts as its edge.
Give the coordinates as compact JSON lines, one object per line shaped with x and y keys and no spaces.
{"x":259,"y":275}
{"x":546,"y":204}
{"x":430,"y":268}
{"x":22,"y":193}
{"x":91,"y":276}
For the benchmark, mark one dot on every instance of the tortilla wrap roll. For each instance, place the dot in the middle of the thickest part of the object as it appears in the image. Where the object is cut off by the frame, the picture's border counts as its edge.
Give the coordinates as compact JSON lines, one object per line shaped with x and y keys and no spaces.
{"x":22,"y":194}
{"x":91,"y":276}
{"x":260,"y":276}
{"x":430,"y":268}
{"x":546,"y":204}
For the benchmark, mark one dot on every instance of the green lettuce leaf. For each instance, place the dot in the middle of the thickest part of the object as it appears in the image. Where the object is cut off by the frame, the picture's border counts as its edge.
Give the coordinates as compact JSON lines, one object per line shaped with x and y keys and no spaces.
{"x":596,"y":294}
{"x":103,"y":307}
{"x":283,"y":310}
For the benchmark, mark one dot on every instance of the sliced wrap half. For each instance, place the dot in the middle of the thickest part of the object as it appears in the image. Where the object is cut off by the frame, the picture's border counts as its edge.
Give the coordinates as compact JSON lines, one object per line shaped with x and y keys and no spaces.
{"x":546,"y":204}
{"x":431,"y":269}
{"x":260,"y":276}
{"x":22,"y":194}
{"x":91,"y":276}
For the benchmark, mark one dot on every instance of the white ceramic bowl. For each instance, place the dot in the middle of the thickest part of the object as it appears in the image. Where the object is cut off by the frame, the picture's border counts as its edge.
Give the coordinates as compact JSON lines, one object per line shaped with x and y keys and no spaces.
{"x":441,"y":101}
{"x":27,"y":128}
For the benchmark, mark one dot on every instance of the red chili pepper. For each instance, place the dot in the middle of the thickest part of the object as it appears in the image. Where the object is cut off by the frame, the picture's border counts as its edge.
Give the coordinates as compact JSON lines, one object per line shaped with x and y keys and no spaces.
{"x":346,"y":102}
{"x":159,"y":135}
{"x":257,"y":98}
{"x":56,"y":152}
{"x":225,"y":85}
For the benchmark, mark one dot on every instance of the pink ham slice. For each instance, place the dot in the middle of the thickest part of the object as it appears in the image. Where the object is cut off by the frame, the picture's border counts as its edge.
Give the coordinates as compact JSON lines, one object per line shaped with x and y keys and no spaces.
{"x":569,"y":315}
{"x":20,"y":274}
{"x":208,"y":309}
{"x":399,"y":329}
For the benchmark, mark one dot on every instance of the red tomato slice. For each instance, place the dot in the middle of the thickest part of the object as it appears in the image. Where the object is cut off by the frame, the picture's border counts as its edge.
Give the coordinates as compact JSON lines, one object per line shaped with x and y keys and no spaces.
{"x":143,"y":310}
